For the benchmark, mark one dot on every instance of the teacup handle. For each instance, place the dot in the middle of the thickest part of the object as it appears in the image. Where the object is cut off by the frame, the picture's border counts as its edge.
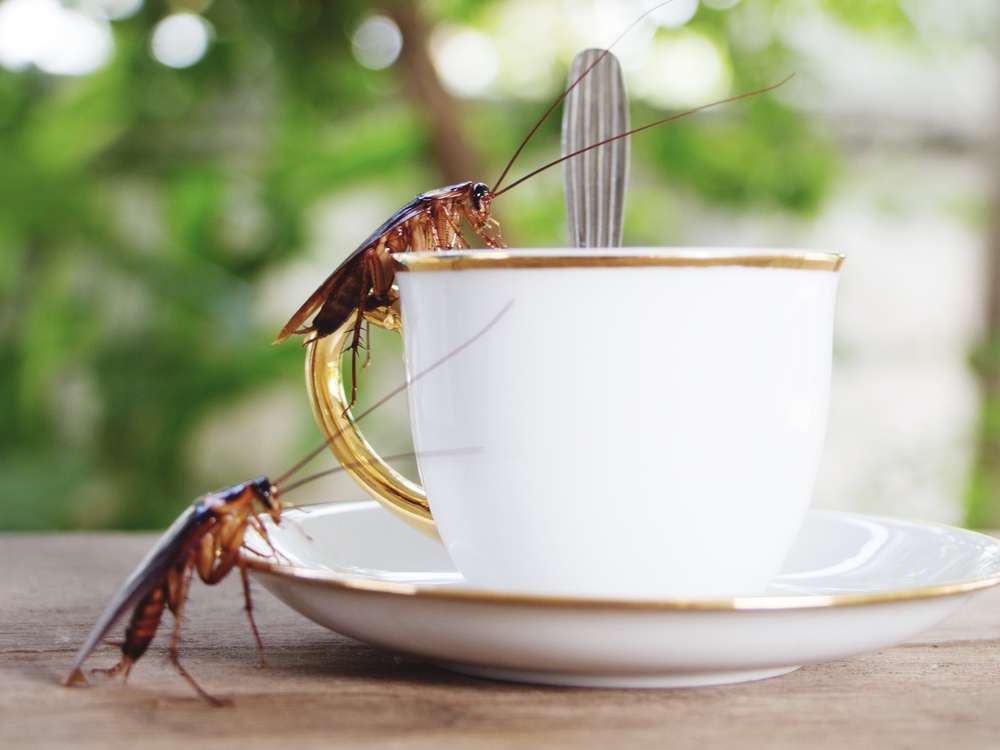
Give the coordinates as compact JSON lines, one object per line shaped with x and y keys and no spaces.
{"x":325,"y":381}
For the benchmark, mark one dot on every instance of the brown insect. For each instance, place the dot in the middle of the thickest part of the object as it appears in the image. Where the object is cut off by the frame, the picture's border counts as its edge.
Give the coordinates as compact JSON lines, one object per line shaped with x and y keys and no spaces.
{"x":208,"y":539}
{"x":431,"y":221}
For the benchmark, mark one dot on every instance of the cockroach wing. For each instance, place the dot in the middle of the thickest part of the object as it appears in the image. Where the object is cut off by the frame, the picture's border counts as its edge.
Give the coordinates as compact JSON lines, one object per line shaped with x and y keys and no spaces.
{"x":410,"y":211}
{"x":317,"y":298}
{"x":177,"y":541}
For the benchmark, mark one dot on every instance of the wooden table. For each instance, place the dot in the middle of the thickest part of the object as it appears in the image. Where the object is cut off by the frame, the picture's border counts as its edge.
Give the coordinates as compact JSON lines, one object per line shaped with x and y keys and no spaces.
{"x":323,"y":690}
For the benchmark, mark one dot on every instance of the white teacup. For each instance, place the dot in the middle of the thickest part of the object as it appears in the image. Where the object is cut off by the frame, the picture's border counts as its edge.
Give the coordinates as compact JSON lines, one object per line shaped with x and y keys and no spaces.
{"x":638,"y":423}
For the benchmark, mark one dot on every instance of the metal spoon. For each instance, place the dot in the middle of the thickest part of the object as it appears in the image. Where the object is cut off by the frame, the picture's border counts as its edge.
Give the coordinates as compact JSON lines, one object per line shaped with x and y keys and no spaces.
{"x":596,"y":108}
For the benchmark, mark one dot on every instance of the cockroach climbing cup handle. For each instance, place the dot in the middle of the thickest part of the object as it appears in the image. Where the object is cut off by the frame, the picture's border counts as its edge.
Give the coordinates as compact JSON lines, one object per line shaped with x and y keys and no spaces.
{"x":325,"y":381}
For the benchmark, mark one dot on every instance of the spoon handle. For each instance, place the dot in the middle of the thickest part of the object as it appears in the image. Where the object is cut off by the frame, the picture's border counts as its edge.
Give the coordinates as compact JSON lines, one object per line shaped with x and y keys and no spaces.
{"x":595,"y":109}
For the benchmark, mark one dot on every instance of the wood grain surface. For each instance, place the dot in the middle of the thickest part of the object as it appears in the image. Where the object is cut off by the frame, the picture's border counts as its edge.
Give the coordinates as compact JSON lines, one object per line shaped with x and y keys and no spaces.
{"x":324,"y":690}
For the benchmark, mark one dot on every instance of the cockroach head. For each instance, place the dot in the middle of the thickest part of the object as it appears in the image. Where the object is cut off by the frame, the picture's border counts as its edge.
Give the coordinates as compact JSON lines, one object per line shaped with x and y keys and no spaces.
{"x":481,"y":197}
{"x":267,"y":493}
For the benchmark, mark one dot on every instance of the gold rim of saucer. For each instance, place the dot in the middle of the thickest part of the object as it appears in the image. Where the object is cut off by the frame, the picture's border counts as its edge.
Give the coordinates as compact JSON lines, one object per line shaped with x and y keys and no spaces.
{"x":463,"y":260}
{"x":744,"y":603}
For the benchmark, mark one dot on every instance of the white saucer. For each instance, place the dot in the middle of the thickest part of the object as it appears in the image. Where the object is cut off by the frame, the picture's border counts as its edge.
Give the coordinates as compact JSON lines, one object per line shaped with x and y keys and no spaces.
{"x":852,"y":584}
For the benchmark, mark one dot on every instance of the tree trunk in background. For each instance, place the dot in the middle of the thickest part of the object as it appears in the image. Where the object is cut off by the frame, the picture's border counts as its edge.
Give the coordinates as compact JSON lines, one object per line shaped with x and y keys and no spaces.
{"x":983,"y":501}
{"x":451,"y":150}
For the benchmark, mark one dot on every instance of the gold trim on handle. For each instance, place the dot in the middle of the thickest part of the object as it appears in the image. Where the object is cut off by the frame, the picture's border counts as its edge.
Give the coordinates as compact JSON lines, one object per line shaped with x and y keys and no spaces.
{"x":325,"y":381}
{"x":463,"y":260}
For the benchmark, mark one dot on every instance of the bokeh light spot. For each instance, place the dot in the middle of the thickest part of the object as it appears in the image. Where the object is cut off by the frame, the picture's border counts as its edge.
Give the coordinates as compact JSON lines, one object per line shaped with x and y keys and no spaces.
{"x":377,"y":42}
{"x":53,"y":38}
{"x":180,"y":40}
{"x":685,"y":71}
{"x":674,"y":14}
{"x":465,"y":59}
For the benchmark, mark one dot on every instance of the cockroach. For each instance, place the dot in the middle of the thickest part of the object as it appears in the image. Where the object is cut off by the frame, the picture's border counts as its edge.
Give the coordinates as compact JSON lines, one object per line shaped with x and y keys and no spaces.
{"x":432,"y":221}
{"x":208,"y":538}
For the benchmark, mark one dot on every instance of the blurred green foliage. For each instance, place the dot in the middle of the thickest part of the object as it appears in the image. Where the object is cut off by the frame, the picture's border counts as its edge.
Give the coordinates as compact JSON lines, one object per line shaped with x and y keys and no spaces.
{"x":142,"y":208}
